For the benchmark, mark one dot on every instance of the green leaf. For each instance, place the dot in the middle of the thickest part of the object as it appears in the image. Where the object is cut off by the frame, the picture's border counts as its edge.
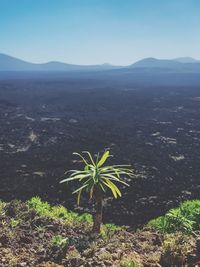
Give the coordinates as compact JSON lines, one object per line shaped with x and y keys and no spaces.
{"x":79,"y":172}
{"x":97,"y":158}
{"x":84,"y":160}
{"x":116,"y":166}
{"x":103,"y":159}
{"x":74,"y":171}
{"x":118,"y":169}
{"x":89,"y":181}
{"x":90,"y":156}
{"x":86,"y":168}
{"x":80,"y":188}
{"x":81,"y":177}
{"x":102,"y":187}
{"x":112,"y":189}
{"x":115,"y":187}
{"x":112,"y":177}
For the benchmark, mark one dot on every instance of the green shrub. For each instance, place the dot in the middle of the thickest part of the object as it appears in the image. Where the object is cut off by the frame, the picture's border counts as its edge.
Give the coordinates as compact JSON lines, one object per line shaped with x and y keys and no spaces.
{"x":191,"y":210}
{"x":59,"y":241}
{"x":85,"y":217}
{"x":60,"y":212}
{"x":185,"y":218}
{"x":57,"y":212}
{"x":42,"y":208}
{"x":160,"y":224}
{"x":113,"y":227}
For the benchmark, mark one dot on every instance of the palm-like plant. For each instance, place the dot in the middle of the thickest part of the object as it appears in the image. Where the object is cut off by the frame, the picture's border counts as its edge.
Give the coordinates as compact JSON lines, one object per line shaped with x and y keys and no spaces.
{"x":96,"y":179}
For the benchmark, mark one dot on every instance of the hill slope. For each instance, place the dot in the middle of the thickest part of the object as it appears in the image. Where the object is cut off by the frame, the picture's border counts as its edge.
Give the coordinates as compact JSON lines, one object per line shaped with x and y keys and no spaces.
{"x":179,"y":64}
{"x":8,"y":63}
{"x":37,"y":234}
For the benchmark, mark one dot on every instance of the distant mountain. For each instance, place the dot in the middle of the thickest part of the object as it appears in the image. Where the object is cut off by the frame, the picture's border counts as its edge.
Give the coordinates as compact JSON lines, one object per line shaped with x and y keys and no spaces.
{"x":8,"y":63}
{"x":187,"y":60}
{"x":148,"y":71}
{"x":156,"y":63}
{"x":179,"y":65}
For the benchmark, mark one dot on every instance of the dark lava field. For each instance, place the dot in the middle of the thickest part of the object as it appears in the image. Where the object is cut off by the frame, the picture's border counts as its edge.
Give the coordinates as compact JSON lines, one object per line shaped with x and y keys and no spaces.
{"x":156,"y":129}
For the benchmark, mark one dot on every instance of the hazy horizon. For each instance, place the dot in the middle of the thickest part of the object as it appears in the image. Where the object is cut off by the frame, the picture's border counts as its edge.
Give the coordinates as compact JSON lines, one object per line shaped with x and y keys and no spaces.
{"x":54,"y":60}
{"x":98,"y":31}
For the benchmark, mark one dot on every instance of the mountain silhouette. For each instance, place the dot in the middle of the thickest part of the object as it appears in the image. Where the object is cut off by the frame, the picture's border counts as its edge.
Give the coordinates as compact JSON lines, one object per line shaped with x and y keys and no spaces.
{"x":9,"y":63}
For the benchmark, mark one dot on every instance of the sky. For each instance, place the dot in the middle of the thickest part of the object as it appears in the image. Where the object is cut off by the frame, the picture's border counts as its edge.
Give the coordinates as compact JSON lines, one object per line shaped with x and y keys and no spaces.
{"x":119,"y":32}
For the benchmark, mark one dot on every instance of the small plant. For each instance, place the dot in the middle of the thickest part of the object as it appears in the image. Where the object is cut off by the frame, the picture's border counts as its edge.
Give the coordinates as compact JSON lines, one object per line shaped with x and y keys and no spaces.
{"x":178,"y":221}
{"x":185,"y":218}
{"x":191,"y":210}
{"x":85,"y":217}
{"x":14,"y":223}
{"x":96,"y":179}
{"x":161,"y":224}
{"x":113,"y":227}
{"x":61,"y":212}
{"x":40,"y":229}
{"x":42,"y":208}
{"x":59,"y":241}
{"x":131,"y":260}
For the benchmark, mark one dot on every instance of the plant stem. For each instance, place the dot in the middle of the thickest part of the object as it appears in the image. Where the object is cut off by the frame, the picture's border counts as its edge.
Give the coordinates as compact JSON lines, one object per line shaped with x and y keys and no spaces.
{"x":98,"y":215}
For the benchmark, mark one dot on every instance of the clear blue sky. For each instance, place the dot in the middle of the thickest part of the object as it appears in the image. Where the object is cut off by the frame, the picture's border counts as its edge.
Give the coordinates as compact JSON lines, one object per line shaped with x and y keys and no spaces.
{"x":98,"y":31}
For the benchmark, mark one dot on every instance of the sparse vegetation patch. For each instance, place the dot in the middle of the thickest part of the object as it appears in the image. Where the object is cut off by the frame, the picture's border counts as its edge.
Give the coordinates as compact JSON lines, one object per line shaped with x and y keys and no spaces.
{"x":40,"y":235}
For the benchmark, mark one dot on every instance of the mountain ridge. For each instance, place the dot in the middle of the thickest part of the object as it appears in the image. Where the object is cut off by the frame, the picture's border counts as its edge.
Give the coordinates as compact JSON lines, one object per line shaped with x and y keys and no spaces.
{"x":9,"y":63}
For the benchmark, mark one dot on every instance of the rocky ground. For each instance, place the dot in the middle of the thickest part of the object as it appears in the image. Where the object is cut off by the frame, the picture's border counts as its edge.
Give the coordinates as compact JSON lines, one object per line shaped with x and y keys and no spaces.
{"x":30,"y":239}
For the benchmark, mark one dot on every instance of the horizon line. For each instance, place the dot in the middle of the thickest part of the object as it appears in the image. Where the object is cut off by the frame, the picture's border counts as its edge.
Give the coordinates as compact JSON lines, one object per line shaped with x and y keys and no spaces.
{"x":97,"y":64}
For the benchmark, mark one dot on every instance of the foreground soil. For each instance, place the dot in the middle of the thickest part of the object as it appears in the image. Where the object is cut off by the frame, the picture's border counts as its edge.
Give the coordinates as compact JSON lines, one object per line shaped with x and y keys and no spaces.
{"x":29,"y":239}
